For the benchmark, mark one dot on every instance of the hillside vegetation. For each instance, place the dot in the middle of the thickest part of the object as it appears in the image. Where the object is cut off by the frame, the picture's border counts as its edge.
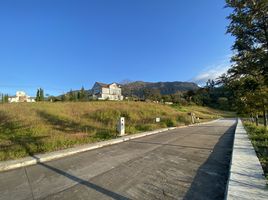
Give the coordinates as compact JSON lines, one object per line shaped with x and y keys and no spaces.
{"x":26,"y":128}
{"x":140,"y":88}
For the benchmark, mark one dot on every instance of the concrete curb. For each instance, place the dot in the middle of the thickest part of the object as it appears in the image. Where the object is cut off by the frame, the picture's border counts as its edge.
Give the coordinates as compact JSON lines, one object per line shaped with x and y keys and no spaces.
{"x":246,"y":180}
{"x":31,"y":160}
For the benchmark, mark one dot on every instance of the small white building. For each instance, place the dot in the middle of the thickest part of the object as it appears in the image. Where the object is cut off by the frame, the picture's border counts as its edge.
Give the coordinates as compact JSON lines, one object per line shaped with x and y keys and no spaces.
{"x":20,"y":97}
{"x":104,"y":91}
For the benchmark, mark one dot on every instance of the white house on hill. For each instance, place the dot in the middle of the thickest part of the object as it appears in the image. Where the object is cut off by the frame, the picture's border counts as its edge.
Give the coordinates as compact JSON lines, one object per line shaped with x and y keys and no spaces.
{"x":104,"y":91}
{"x":20,"y":97}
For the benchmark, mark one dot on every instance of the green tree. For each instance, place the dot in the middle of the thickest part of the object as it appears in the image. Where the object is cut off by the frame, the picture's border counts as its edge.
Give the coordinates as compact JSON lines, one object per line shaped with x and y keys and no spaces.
{"x":210,"y":84}
{"x":82,"y":94}
{"x":64,"y":97}
{"x":166,"y":98}
{"x":178,"y":98}
{"x":154,"y":94}
{"x":37,"y":98}
{"x":72,"y":96}
{"x":249,"y":26}
{"x":42,"y":97}
{"x":79,"y":96}
{"x":189,"y":95}
{"x":6,"y":98}
{"x":146,"y":93}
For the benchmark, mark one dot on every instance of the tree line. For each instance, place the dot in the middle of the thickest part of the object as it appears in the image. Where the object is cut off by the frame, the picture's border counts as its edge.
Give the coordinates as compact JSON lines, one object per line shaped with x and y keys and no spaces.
{"x":247,"y":79}
{"x":4,"y":98}
{"x":244,"y":88}
{"x":80,"y":95}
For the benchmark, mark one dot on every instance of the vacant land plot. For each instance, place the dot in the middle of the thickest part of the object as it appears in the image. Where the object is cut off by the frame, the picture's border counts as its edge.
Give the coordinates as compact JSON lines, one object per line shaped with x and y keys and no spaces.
{"x":26,"y":129}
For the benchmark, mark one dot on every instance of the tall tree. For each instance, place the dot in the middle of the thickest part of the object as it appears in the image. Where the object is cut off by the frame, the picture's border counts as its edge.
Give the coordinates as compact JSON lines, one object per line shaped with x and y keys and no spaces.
{"x":6,"y":98}
{"x":63,"y":97}
{"x":82,"y":94}
{"x":249,"y":26}
{"x":72,"y":95}
{"x":37,"y":98}
{"x":42,"y":97}
{"x":79,"y":96}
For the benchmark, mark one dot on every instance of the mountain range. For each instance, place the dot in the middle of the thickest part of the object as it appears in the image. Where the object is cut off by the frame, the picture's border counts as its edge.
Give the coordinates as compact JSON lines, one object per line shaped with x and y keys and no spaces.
{"x":138,"y":87}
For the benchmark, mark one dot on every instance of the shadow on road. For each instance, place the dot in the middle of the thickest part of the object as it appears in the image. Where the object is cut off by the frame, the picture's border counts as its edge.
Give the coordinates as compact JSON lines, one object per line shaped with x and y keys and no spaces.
{"x":211,"y":178}
{"x":86,"y":183}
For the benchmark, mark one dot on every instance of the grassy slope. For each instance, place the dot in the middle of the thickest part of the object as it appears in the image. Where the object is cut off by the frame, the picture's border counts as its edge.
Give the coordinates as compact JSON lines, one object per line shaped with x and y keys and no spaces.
{"x":259,"y":139}
{"x":30,"y":128}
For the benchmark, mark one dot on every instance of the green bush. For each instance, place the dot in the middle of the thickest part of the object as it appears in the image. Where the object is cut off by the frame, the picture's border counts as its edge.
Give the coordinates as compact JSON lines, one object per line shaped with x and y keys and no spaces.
{"x":170,"y":122}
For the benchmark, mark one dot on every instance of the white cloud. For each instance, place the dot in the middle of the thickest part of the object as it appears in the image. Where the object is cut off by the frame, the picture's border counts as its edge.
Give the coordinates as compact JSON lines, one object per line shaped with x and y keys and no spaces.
{"x":213,"y":71}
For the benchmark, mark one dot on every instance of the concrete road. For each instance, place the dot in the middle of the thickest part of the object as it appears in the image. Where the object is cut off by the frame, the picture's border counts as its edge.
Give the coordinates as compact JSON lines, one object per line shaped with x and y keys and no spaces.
{"x":185,"y":163}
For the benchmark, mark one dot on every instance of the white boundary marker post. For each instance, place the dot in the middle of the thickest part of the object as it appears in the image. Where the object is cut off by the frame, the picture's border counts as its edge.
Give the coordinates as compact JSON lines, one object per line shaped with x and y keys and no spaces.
{"x":121,"y":126}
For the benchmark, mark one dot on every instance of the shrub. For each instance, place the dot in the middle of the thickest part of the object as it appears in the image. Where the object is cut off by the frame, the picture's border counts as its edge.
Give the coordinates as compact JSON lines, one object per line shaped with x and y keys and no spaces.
{"x":170,"y":122}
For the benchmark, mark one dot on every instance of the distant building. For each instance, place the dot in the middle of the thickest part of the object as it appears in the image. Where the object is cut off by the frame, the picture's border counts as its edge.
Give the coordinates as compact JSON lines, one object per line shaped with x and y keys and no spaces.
{"x":104,"y":91}
{"x":20,"y":97}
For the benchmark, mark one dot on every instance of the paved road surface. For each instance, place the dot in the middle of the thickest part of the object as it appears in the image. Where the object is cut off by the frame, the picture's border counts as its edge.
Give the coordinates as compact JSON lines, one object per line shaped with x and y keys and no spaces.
{"x":186,"y":163}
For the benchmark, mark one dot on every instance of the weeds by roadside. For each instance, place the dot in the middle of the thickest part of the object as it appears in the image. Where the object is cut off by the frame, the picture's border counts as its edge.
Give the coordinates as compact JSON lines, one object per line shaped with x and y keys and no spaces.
{"x":259,"y":138}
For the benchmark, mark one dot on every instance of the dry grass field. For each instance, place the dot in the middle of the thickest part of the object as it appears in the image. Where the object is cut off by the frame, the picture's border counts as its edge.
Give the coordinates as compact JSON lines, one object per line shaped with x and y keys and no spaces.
{"x":29,"y":128}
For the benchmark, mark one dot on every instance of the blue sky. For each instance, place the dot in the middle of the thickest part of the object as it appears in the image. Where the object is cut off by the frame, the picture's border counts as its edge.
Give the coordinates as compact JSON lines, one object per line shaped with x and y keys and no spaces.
{"x":63,"y":44}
